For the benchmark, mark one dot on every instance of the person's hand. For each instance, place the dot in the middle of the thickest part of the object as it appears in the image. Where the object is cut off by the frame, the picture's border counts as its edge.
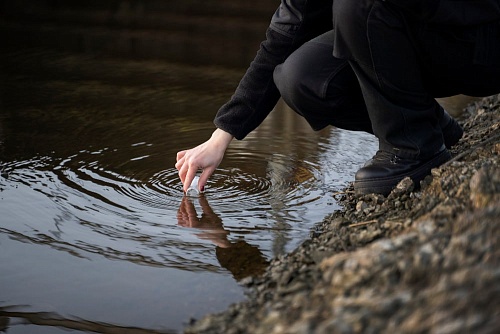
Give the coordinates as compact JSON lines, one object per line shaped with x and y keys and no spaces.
{"x":206,"y":156}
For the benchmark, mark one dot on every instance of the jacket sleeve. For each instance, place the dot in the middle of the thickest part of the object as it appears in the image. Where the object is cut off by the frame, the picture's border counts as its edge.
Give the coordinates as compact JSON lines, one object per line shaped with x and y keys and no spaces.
{"x":293,"y":23}
{"x":452,"y":12}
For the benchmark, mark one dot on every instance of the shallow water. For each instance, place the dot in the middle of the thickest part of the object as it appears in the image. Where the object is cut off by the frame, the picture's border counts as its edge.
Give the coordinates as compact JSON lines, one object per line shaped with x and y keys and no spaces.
{"x":95,"y":231}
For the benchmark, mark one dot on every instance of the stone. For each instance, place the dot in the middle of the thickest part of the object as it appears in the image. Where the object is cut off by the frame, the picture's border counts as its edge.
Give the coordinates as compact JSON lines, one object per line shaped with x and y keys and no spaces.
{"x":485,"y":186}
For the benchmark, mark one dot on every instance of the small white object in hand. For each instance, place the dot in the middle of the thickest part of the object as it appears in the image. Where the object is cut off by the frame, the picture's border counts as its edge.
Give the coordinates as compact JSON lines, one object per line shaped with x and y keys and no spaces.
{"x":193,"y":188}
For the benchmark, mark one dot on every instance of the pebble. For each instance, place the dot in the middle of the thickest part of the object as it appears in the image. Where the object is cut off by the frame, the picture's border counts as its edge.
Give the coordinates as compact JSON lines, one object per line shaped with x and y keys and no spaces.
{"x":414,"y":262}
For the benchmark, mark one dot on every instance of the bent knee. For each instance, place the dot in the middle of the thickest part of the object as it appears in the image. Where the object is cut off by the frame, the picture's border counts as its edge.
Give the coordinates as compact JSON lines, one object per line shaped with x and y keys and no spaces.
{"x":290,"y":78}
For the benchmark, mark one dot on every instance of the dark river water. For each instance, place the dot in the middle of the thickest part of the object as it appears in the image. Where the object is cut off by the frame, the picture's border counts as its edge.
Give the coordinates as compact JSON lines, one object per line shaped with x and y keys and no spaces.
{"x":95,"y":231}
{"x":94,"y":225}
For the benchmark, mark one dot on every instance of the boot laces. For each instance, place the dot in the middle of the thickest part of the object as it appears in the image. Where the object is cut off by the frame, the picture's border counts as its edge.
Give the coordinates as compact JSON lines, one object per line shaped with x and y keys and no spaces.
{"x":386,"y":156}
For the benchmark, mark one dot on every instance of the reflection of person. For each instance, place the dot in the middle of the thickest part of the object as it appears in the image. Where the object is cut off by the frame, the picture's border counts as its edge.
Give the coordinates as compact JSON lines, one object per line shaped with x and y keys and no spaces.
{"x":240,"y":258}
{"x":378,"y":71}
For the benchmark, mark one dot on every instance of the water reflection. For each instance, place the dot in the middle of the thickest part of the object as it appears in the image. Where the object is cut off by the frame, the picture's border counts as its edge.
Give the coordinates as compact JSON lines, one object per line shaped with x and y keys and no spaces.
{"x":93,"y":220}
{"x":10,"y":317}
{"x":239,"y":257}
{"x":209,"y":223}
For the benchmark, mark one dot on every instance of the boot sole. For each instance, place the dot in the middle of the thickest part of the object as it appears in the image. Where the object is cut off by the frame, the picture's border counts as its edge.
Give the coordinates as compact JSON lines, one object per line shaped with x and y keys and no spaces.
{"x":385,"y":185}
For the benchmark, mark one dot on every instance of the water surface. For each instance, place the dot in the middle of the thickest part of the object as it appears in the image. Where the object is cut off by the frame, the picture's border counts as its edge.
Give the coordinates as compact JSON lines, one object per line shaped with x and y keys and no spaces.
{"x":96,"y":234}
{"x":95,"y":231}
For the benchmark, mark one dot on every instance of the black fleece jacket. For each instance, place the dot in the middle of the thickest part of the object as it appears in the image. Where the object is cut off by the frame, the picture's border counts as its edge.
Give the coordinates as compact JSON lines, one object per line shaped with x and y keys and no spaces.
{"x":297,"y":21}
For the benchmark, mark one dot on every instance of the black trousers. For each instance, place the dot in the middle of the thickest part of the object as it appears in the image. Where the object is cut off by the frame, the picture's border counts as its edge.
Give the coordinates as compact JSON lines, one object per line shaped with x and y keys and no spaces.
{"x":380,"y":71}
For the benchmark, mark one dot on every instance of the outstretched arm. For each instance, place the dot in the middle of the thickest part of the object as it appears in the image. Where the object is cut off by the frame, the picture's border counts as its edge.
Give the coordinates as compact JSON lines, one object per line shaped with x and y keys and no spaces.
{"x":294,"y":23}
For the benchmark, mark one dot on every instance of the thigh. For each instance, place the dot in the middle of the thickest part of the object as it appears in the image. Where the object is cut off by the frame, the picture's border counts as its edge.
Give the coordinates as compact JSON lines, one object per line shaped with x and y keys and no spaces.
{"x":322,"y":88}
{"x":311,"y":68}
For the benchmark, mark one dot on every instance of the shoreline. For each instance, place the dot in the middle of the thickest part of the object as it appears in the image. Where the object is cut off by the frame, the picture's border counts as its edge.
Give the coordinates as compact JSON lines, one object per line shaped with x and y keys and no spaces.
{"x":414,"y":261}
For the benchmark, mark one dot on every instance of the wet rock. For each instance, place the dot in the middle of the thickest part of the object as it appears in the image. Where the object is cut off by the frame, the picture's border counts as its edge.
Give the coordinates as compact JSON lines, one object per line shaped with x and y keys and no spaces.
{"x":361,"y":206}
{"x":421,"y":261}
{"x":404,"y":187}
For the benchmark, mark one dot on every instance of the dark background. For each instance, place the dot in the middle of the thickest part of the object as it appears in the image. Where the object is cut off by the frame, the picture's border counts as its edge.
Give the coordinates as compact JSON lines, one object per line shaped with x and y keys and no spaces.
{"x":188,"y":31}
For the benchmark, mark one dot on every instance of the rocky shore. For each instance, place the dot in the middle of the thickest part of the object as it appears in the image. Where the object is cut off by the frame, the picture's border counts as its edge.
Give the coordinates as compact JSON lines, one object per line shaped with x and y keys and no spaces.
{"x":417,"y":261}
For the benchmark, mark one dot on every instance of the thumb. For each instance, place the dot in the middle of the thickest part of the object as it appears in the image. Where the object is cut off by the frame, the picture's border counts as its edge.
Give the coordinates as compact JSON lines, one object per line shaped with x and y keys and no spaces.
{"x":205,"y":175}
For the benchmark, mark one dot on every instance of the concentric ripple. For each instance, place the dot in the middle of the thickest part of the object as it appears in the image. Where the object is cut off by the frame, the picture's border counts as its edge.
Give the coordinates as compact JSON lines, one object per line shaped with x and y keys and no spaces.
{"x":116,"y":205}
{"x":93,"y":219}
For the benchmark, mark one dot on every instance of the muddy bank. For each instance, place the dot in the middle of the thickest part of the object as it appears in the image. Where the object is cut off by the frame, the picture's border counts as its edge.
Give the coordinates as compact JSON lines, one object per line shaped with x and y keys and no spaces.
{"x":417,"y":261}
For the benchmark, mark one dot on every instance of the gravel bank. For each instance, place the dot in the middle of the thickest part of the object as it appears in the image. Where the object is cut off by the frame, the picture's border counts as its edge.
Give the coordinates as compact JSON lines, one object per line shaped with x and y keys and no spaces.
{"x":425,"y":261}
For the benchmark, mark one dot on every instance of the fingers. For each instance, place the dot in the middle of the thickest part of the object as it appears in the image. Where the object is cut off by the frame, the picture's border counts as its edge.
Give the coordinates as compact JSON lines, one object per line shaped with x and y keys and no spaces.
{"x":186,"y":173}
{"x":181,"y":155}
{"x":179,"y":164}
{"x":187,"y":167}
{"x":205,"y":175}
{"x":206,"y":156}
{"x":183,"y":165}
{"x":180,"y":159}
{"x":190,"y":174}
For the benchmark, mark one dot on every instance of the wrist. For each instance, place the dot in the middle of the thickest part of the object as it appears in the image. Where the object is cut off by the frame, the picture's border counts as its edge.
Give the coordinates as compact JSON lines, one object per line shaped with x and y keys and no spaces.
{"x":222,"y":137}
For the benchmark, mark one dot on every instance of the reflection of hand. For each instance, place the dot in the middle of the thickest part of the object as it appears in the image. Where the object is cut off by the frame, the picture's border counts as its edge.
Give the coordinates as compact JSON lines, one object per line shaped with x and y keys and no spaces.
{"x":209,"y":223}
{"x":240,"y":258}
{"x":206,"y":156}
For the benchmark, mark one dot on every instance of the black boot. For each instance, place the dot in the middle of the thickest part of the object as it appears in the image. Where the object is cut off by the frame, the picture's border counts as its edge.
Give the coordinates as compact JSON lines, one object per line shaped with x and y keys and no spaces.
{"x":385,"y":170}
{"x":452,"y":131}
